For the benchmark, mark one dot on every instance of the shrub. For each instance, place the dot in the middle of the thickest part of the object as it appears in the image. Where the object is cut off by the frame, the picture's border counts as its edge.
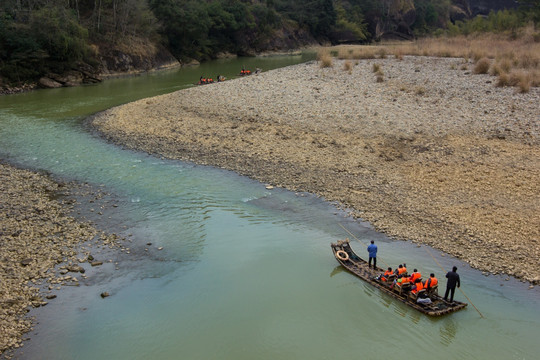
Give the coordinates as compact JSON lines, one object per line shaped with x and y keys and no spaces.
{"x":482,"y":66}
{"x":495,"y":70}
{"x":521,"y":80}
{"x":376,"y":68}
{"x":503,"y":80}
{"x":326,"y":62}
{"x":380,"y":78}
{"x":325,"y":59}
{"x":347,"y":66}
{"x":505,"y":65}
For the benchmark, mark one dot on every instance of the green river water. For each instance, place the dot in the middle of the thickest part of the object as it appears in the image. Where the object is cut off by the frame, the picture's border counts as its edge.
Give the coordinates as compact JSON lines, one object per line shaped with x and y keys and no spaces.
{"x":245,"y":272}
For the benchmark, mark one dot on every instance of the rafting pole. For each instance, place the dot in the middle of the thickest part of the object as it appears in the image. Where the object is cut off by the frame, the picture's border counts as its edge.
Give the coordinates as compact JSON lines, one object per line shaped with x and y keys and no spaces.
{"x":463,"y":292}
{"x":350,"y":233}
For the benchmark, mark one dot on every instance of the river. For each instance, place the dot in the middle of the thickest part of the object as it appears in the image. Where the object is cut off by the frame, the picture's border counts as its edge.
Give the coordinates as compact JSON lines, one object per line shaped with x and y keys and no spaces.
{"x":245,"y":272}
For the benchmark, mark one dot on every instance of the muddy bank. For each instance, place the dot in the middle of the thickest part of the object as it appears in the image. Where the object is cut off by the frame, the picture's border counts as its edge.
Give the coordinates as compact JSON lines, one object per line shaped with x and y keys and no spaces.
{"x":432,"y":154}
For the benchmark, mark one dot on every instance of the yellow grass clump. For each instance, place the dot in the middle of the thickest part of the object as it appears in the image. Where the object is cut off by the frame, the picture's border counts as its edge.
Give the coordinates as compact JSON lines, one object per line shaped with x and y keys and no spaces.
{"x":482,"y":66}
{"x":325,"y":59}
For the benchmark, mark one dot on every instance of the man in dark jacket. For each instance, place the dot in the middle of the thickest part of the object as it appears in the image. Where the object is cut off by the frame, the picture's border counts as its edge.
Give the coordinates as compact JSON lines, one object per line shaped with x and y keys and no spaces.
{"x":453,"y":280}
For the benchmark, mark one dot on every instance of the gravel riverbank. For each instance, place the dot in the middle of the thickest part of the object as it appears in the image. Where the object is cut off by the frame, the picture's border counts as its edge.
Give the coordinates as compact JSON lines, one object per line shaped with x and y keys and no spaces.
{"x":41,"y":246}
{"x":433,"y":153}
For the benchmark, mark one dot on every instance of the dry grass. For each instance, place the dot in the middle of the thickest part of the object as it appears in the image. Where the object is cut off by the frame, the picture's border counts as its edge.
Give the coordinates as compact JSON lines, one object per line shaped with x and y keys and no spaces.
{"x":504,"y":53}
{"x":521,"y":79}
{"x":482,"y":66}
{"x":420,"y":90}
{"x":376,"y":68}
{"x":347,"y":66}
{"x":325,"y":59}
{"x":503,"y":80}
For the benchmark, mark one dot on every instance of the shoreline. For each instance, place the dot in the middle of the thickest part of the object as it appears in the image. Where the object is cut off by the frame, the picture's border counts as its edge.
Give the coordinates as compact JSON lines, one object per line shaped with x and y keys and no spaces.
{"x":432,"y":154}
{"x":43,"y":245}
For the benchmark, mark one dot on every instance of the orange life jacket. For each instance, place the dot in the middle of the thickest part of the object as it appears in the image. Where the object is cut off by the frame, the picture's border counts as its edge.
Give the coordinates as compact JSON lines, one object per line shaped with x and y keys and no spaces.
{"x":402,"y":270}
{"x":414,"y":276}
{"x":419,"y":286}
{"x":431,"y":282}
{"x":386,"y":274}
{"x":405,"y":280}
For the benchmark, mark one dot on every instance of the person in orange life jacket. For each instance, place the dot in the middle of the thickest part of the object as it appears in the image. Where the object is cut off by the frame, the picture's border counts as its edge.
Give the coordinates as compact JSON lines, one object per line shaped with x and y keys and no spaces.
{"x":453,"y":280}
{"x":415,"y":275}
{"x":401,"y":270}
{"x":417,"y":286}
{"x":372,"y":251}
{"x":402,"y":281}
{"x":387,"y":273}
{"x":431,"y":281}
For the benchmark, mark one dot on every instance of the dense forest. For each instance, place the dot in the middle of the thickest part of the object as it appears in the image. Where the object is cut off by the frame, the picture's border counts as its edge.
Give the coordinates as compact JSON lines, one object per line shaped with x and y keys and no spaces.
{"x":43,"y":36}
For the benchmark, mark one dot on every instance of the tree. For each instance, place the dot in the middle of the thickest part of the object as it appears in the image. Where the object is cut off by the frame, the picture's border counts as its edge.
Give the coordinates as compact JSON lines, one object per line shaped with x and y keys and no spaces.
{"x":531,"y":9}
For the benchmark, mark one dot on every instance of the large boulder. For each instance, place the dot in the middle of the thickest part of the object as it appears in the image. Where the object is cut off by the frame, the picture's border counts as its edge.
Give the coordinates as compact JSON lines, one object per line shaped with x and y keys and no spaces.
{"x":48,"y":83}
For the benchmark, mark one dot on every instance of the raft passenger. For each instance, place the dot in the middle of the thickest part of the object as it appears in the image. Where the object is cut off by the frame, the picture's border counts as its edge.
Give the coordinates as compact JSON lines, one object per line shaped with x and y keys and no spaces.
{"x":387,"y":273}
{"x":417,"y":286}
{"x":431,"y":282}
{"x":415,"y":275}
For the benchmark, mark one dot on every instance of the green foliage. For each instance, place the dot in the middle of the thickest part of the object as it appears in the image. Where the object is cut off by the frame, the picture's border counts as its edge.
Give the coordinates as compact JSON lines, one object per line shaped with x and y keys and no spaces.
{"x":318,"y":16}
{"x":351,"y":18}
{"x":500,"y":21}
{"x":21,"y":57}
{"x":530,"y":10}
{"x":428,"y":17}
{"x":57,"y":32}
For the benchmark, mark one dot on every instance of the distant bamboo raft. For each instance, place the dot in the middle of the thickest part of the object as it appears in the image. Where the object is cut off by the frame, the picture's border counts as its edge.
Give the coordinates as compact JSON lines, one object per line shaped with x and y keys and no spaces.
{"x":359,"y":267}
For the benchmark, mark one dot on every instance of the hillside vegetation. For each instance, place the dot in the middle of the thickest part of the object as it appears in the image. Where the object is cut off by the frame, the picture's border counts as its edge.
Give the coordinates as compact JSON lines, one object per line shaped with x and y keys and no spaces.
{"x":38,"y":37}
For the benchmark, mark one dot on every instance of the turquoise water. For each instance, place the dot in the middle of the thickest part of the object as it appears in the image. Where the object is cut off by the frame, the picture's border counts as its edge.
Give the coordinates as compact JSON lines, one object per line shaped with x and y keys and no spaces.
{"x":245,"y":272}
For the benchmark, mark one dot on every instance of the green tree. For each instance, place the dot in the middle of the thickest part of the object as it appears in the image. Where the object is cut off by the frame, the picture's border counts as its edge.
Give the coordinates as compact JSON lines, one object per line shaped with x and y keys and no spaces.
{"x":531,"y":9}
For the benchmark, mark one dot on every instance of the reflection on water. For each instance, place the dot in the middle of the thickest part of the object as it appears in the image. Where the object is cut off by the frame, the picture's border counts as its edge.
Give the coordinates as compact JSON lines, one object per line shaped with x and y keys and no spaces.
{"x":337,"y":270}
{"x":243,"y":272}
{"x":448,"y":331}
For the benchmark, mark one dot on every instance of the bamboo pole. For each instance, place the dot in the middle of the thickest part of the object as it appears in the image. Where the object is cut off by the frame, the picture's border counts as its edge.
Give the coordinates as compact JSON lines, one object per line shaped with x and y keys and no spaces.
{"x":463,"y":292}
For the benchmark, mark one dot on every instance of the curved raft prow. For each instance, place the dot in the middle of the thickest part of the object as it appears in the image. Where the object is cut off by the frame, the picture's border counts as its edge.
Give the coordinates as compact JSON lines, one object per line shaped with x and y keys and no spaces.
{"x":359,"y":267}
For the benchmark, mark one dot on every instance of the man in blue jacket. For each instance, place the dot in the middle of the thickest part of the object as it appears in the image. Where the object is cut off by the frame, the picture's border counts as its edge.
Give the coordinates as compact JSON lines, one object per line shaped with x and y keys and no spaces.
{"x":372,"y":251}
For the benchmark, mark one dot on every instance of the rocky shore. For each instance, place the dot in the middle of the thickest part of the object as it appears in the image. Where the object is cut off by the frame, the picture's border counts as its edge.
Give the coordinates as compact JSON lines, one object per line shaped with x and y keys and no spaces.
{"x":41,"y":247}
{"x":428,"y":152}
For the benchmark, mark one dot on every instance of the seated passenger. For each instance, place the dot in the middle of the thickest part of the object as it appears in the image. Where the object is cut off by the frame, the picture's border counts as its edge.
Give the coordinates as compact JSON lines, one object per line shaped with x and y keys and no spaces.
{"x":404,"y":269}
{"x":401,"y":270}
{"x":402,"y":281}
{"x":431,"y":281}
{"x":415,"y":275}
{"x":417,"y":286}
{"x":386,"y":274}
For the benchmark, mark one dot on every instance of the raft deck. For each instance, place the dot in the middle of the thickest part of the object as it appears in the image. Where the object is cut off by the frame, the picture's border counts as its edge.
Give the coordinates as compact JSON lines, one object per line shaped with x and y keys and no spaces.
{"x":360,"y":268}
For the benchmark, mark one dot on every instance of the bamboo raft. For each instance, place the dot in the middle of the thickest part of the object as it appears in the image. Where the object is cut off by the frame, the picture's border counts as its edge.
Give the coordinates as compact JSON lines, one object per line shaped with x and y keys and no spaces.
{"x":360,"y":268}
